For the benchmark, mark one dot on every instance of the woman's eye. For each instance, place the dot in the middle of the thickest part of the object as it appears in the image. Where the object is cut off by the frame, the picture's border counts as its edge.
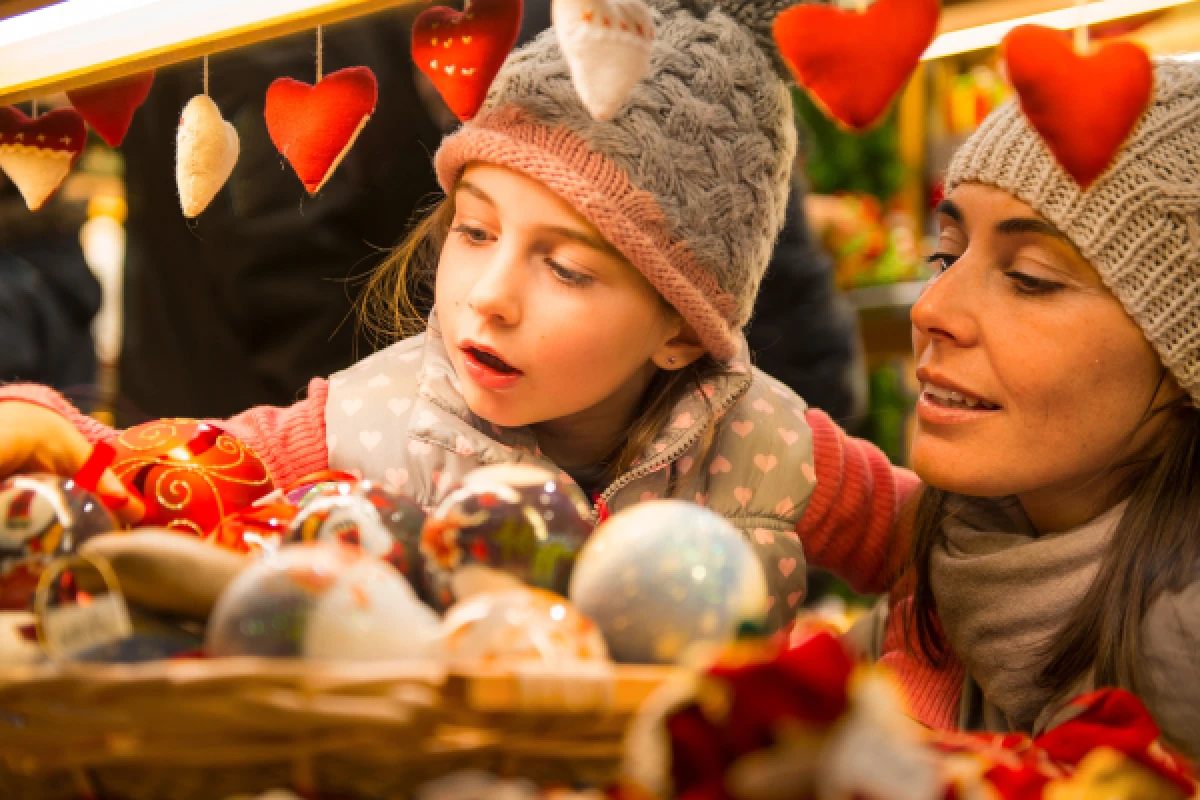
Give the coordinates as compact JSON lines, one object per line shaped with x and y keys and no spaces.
{"x":472,"y":234}
{"x":1027,"y":284}
{"x":569,"y":276}
{"x":941,"y":262}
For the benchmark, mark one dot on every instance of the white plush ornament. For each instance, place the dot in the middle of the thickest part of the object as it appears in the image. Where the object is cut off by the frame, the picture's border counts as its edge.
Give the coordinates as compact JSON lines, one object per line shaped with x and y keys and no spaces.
{"x":607,"y":44}
{"x":207,"y":150}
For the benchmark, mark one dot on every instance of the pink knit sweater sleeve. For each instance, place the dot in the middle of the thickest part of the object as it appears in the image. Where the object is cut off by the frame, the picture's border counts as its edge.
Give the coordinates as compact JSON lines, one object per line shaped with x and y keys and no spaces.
{"x":854,"y":525}
{"x":290,"y":441}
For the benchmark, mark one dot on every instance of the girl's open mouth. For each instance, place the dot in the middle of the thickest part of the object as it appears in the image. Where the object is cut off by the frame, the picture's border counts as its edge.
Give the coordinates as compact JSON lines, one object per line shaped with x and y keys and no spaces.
{"x":488,"y":369}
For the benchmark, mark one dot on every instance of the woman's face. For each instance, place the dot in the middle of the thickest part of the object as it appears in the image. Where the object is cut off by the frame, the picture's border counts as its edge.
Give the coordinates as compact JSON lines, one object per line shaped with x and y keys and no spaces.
{"x":542,"y":318}
{"x":1033,"y":378}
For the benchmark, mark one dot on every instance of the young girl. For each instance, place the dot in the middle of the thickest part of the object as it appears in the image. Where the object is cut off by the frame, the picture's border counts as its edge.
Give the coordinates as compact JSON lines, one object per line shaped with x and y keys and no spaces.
{"x":592,"y":280}
{"x":1058,"y":349}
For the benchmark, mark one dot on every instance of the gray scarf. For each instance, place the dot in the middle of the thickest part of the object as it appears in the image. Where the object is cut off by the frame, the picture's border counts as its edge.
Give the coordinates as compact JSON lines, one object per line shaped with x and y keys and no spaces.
{"x":1003,"y":593}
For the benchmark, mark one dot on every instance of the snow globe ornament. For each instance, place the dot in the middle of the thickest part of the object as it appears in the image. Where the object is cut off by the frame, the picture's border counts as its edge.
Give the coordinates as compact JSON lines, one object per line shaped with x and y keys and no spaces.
{"x":191,"y":475}
{"x":664,"y":575}
{"x":323,"y":600}
{"x":385,"y":524}
{"x":519,"y":625}
{"x":507,"y":525}
{"x":42,"y":517}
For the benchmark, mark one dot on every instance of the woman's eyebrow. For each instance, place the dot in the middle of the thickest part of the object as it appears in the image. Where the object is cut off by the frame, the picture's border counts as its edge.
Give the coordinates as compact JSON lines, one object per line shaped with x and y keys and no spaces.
{"x":951,"y":210}
{"x":1021,"y":225}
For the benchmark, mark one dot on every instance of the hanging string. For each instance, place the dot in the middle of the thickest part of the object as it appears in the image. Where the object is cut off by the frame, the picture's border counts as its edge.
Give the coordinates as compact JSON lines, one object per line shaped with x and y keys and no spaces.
{"x":206,"y":76}
{"x":320,"y":55}
{"x":33,"y":108}
{"x":1082,"y":42}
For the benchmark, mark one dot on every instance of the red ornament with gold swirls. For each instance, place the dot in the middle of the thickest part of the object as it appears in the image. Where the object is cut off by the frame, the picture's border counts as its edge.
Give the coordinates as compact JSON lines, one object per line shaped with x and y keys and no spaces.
{"x":191,"y":475}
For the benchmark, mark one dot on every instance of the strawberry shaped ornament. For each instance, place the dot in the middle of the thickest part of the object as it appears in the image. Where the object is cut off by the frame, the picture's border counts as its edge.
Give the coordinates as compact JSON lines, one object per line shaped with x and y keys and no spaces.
{"x":1084,"y":106}
{"x":607,"y":44}
{"x":37,"y":154}
{"x":461,"y":52}
{"x":206,"y":151}
{"x":315,"y":126}
{"x":854,"y":63}
{"x":108,"y":107}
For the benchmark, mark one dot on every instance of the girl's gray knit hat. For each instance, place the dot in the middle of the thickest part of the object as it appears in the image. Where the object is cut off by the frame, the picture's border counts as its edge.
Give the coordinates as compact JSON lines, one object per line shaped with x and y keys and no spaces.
{"x":689,"y":180}
{"x":1138,"y":224}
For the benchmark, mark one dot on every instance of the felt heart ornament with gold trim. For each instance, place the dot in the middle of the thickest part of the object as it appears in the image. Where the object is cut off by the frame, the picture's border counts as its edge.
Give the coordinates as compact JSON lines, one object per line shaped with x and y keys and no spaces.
{"x":37,"y":154}
{"x":1084,"y":106}
{"x":852,"y":63}
{"x":109,"y":107}
{"x":315,"y":126}
{"x":607,"y":44}
{"x":461,"y":52}
{"x":206,"y":151}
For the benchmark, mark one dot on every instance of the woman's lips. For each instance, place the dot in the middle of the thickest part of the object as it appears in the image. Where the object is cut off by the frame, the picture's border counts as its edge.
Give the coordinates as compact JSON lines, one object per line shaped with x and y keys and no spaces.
{"x":488,"y":370}
{"x":933,"y":412}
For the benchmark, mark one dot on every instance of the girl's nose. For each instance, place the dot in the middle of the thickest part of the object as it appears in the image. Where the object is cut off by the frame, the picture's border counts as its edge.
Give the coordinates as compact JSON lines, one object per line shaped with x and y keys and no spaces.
{"x":943,"y":311}
{"x":497,"y":290}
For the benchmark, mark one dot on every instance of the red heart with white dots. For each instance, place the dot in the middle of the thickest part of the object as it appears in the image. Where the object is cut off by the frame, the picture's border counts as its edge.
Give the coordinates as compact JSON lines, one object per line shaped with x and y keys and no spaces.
{"x":853,"y":63}
{"x":1084,"y":106}
{"x":37,"y":154}
{"x":315,"y":126}
{"x":461,"y":52}
{"x":108,"y":107}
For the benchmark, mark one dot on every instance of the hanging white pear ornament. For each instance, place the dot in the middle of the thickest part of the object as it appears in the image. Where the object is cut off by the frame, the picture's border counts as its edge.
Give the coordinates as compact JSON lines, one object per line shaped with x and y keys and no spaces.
{"x":607,"y":44}
{"x":207,"y":150}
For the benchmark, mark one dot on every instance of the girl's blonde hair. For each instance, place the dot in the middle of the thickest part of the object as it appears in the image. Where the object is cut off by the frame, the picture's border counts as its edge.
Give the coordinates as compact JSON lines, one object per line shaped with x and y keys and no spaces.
{"x":390,"y":308}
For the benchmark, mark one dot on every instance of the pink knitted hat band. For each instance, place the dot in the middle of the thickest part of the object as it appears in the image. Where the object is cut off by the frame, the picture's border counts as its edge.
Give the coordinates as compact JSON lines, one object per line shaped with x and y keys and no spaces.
{"x":598,"y":190}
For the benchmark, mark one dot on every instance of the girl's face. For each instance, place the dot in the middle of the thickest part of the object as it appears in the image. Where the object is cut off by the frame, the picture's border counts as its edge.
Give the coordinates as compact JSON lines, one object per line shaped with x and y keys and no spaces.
{"x":542,"y":318}
{"x":1033,"y":377}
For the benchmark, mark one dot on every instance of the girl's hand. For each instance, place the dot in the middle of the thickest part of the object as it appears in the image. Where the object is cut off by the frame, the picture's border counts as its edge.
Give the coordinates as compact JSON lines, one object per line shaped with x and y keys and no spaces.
{"x":35,"y":439}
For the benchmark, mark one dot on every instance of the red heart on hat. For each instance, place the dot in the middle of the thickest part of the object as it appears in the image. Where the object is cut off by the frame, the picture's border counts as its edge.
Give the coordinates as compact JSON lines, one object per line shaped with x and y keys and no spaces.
{"x":1084,"y":106}
{"x":854,"y":63}
{"x":315,"y":126}
{"x":108,"y":107}
{"x":461,"y":52}
{"x":37,"y":154}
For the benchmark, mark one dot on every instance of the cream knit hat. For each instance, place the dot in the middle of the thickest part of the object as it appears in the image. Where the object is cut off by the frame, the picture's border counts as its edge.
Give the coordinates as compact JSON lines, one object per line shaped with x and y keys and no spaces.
{"x":1138,"y":224}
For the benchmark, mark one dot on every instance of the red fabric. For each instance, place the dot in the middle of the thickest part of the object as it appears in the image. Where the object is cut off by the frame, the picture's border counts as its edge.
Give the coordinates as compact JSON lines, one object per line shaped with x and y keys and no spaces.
{"x":1085,"y":106}
{"x":854,"y":63}
{"x":853,"y":525}
{"x":461,"y":52}
{"x":61,"y":130}
{"x":314,"y":126}
{"x":109,"y":107}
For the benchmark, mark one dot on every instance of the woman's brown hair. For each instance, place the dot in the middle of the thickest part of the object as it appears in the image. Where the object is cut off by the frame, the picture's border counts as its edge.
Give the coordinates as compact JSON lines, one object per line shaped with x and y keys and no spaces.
{"x":389,"y":309}
{"x":1155,"y":548}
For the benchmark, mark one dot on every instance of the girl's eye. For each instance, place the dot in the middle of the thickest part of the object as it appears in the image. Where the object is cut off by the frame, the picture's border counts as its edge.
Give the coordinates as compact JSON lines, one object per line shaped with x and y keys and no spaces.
{"x":1029,"y":285}
{"x":941,"y":262}
{"x":472,"y":234}
{"x":569,"y":276}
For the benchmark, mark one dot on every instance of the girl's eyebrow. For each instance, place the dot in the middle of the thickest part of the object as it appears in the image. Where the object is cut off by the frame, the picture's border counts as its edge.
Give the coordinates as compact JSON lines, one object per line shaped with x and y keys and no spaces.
{"x":575,"y":235}
{"x":471,"y":188}
{"x":951,"y":210}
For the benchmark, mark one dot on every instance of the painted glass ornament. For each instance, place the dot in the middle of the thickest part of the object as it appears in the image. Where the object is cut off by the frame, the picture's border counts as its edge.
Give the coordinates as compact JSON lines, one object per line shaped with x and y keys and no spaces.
{"x":42,"y":517}
{"x":508,"y":524}
{"x":664,"y":575}
{"x":323,"y":600}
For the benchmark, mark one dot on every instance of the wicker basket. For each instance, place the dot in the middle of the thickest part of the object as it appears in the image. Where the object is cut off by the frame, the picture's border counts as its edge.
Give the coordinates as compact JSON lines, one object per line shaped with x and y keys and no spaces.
{"x":211,"y":729}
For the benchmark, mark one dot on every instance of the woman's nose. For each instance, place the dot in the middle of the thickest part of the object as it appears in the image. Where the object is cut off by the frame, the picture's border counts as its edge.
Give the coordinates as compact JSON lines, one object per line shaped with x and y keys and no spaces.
{"x":946,"y":308}
{"x":496,"y":292}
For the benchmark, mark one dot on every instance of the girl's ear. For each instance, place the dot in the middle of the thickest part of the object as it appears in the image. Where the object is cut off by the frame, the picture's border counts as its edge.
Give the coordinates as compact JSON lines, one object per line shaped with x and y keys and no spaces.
{"x":680,"y":350}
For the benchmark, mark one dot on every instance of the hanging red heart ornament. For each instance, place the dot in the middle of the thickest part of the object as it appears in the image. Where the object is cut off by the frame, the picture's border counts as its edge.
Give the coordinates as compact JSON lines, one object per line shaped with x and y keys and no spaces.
{"x":37,"y":154}
{"x":108,"y":107}
{"x":1083,"y":106}
{"x":461,"y":52}
{"x":315,"y":126}
{"x":852,"y":63}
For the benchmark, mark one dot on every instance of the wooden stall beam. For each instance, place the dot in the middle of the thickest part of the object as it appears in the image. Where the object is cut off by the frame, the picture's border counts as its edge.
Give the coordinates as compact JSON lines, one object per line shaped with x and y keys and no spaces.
{"x":78,"y":43}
